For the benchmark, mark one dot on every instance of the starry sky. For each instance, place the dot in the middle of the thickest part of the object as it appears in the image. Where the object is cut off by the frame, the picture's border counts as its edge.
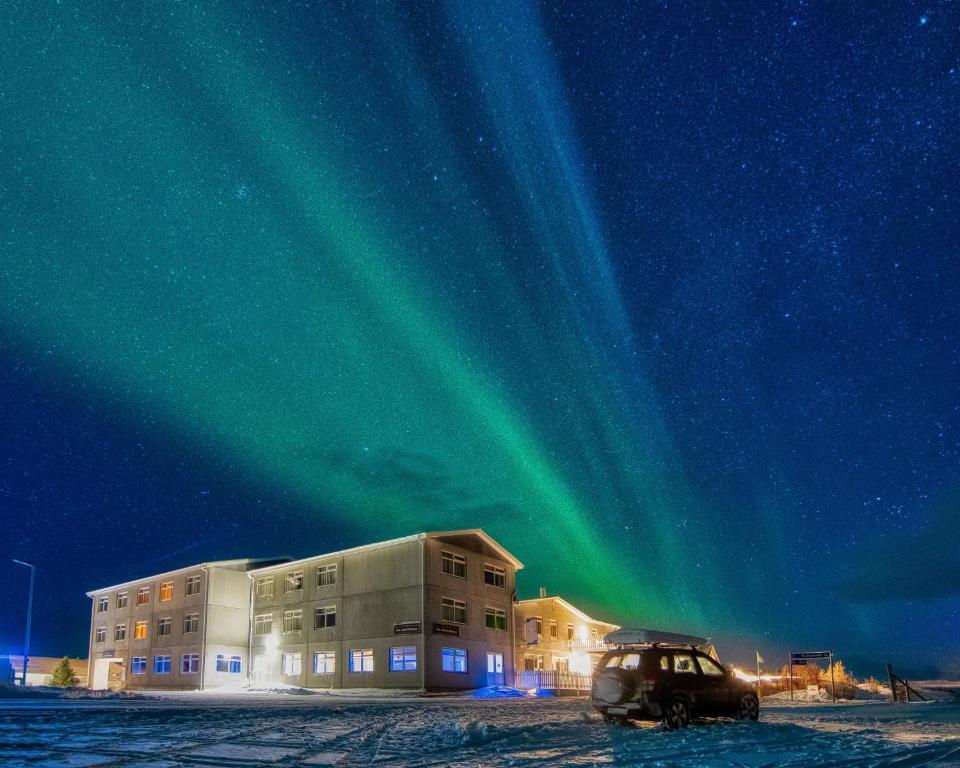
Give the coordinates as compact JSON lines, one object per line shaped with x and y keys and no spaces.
{"x":662,"y":295}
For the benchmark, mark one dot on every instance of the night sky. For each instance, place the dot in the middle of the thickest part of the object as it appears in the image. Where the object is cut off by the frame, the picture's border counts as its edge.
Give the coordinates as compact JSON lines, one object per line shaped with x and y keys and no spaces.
{"x":664,"y":296}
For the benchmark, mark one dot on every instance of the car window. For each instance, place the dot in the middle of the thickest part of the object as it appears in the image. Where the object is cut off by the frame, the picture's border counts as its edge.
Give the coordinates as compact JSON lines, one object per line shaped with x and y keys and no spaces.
{"x":709,"y":667}
{"x":683,"y":664}
{"x":665,"y":663}
{"x":613,"y":661}
{"x":631,"y":661}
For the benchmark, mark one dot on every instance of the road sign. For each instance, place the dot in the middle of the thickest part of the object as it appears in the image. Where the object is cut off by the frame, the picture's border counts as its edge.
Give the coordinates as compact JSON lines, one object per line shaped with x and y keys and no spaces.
{"x":798,"y":662}
{"x":811,"y":655}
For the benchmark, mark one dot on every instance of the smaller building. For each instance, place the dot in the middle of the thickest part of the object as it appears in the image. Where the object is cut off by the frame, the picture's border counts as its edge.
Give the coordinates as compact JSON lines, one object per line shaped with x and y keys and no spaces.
{"x":557,"y":644}
{"x":183,"y":629}
{"x":39,"y":669}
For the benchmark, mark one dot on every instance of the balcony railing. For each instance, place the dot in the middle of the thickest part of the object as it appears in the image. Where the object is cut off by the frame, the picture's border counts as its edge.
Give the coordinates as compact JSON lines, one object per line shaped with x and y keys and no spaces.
{"x":587,"y":644}
{"x":553,"y":681}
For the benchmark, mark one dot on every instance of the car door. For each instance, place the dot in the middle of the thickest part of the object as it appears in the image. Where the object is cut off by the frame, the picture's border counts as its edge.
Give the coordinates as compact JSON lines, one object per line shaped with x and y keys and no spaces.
{"x":714,"y":686}
{"x":687,"y":678}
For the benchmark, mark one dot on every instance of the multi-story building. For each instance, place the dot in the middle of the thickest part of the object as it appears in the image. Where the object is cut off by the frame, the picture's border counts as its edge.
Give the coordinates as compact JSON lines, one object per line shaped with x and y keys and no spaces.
{"x":557,"y":643}
{"x":428,"y":611}
{"x":185,"y":629}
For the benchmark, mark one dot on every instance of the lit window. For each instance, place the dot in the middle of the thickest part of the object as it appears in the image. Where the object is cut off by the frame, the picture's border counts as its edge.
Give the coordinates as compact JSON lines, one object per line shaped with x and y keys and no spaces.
{"x":193,"y":585}
{"x":292,"y":621}
{"x":495,"y":618}
{"x":403,"y":658}
{"x":294,"y":581}
{"x":166,"y":591}
{"x":454,"y":660}
{"x":164,"y":626}
{"x":101,"y":635}
{"x":570,"y":632}
{"x":324,"y":618}
{"x":121,"y":599}
{"x":553,"y":628}
{"x":103,"y":603}
{"x":120,"y":632}
{"x":228,"y":663}
{"x":140,"y":630}
{"x":263,"y":624}
{"x":453,"y":610}
{"x":455,"y":565}
{"x":264,"y":586}
{"x":361,"y":659}
{"x":326,"y":575}
{"x":290,"y":663}
{"x":494,"y":576}
{"x":138,"y":665}
{"x":143,"y":595}
{"x":324,"y":663}
{"x":161,"y":665}
{"x":191,"y":623}
{"x":189,"y":663}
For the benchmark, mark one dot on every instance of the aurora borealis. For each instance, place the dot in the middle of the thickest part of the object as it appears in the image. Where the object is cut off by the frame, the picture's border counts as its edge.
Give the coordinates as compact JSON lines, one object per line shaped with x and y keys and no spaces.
{"x":663,"y":298}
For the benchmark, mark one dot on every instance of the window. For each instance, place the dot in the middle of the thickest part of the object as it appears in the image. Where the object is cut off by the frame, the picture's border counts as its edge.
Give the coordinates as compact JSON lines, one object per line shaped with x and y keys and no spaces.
{"x":570,"y":632}
{"x":166,"y":591}
{"x":228,"y":663}
{"x":161,"y":665}
{"x":138,"y":665}
{"x":101,"y":635}
{"x":361,"y":659}
{"x":292,"y":621}
{"x":323,"y":663}
{"x":264,"y":586}
{"x":494,"y":577}
{"x":683,"y":664}
{"x":453,"y":610}
{"x":708,"y":667}
{"x":143,"y":595}
{"x":263,"y":624}
{"x":140,"y":630}
{"x":193,"y":585}
{"x":533,"y":663}
{"x":495,"y":618}
{"x":120,"y":632}
{"x":326,"y":575}
{"x":553,"y":628}
{"x":191,"y":623}
{"x":454,"y":660}
{"x":122,"y":603}
{"x":561,"y":665}
{"x":324,"y":618}
{"x":294,"y":581}
{"x":455,"y":565}
{"x":539,"y":620}
{"x":189,"y":663}
{"x":290,"y":664}
{"x":164,"y":626}
{"x":103,"y":603}
{"x":403,"y":659}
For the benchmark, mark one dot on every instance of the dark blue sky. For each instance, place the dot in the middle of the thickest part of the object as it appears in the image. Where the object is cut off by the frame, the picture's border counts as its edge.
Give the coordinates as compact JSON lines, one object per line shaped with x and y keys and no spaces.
{"x":673,"y":287}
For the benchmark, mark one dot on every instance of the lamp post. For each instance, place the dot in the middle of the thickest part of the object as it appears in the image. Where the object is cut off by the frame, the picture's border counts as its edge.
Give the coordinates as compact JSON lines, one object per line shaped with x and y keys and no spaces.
{"x":26,"y":639}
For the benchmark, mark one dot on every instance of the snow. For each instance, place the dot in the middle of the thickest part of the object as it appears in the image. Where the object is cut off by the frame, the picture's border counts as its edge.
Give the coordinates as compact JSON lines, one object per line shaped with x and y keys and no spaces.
{"x":496,"y":727}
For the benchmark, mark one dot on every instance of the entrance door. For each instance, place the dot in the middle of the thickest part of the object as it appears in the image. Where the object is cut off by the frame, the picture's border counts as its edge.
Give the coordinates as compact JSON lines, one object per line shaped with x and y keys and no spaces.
{"x":108,"y":674}
{"x":495,"y":669}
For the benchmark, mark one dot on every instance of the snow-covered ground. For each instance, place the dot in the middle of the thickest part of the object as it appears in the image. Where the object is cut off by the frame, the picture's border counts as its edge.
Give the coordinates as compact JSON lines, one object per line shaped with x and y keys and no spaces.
{"x":280,"y":729}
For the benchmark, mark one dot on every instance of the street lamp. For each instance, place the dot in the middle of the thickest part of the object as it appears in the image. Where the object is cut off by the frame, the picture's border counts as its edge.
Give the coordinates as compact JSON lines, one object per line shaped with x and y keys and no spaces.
{"x":26,"y":640}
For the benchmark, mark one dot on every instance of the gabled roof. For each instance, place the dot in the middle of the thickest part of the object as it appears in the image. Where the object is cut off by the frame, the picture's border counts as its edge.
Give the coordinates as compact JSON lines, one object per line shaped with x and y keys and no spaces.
{"x":569,"y":606}
{"x":484,"y":537}
{"x":211,"y":564}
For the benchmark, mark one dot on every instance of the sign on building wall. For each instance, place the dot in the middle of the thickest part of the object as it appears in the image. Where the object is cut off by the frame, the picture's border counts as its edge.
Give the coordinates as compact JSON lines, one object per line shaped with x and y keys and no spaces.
{"x":446,"y":629}
{"x":407,"y":628}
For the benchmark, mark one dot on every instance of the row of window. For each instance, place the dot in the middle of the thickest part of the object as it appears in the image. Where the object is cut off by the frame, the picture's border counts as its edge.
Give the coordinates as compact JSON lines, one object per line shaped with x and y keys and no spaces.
{"x":326,"y":576}
{"x":191,"y":587}
{"x":324,"y":617}
{"x":360,"y":660}
{"x":554,"y":632}
{"x":455,"y":611}
{"x":189,"y":664}
{"x":191,"y":623}
{"x":453,"y":564}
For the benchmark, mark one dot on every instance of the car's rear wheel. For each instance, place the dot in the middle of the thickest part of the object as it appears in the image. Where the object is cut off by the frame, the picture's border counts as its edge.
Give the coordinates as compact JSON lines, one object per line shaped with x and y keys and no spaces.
{"x":677,"y":714}
{"x":749,"y":708}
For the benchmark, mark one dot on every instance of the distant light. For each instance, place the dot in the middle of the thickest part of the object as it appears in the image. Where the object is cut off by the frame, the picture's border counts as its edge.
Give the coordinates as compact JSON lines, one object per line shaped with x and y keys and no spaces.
{"x":924,"y":20}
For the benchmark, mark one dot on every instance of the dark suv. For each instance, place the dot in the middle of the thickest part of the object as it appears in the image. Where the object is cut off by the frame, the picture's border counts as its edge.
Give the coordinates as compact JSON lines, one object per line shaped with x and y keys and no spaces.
{"x":672,"y":683}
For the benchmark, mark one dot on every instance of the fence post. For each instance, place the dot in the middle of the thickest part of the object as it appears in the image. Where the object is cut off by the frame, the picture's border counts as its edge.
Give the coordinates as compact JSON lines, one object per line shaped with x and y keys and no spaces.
{"x":893,"y":682}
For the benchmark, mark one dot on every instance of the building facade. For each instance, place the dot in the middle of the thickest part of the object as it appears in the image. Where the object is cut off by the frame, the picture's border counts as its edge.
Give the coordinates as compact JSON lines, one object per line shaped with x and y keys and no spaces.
{"x":557,"y":644}
{"x":429,"y":611}
{"x":183,"y":629}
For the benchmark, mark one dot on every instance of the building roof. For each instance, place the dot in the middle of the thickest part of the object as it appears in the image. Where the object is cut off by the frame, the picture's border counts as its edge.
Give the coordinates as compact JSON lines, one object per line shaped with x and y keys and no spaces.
{"x":197,"y":566}
{"x":569,"y":606}
{"x":478,"y":533}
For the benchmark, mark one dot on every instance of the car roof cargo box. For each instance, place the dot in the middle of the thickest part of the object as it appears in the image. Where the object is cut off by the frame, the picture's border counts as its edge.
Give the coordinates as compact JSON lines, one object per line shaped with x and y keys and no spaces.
{"x":651,"y":637}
